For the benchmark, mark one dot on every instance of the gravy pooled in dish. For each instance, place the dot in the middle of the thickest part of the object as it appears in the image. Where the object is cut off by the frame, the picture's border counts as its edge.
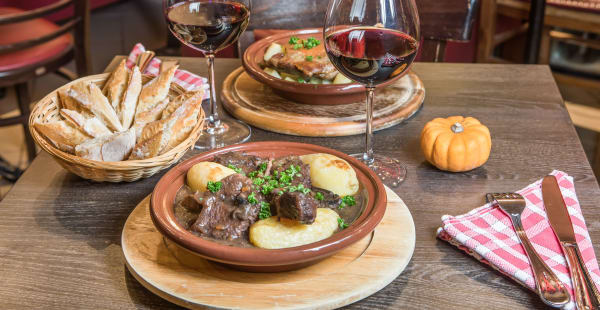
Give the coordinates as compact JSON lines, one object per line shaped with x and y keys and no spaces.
{"x":249,"y":201}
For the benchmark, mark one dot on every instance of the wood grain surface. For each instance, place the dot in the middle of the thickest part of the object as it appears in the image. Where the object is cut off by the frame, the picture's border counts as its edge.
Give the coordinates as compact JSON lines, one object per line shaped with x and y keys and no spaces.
{"x":60,"y":235}
{"x":256,"y":104}
{"x":350,"y":275}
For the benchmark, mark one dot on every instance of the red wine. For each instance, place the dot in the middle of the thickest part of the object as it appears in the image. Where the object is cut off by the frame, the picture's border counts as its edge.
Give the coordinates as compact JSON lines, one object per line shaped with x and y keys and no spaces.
{"x":208,"y":26}
{"x":371,"y":55}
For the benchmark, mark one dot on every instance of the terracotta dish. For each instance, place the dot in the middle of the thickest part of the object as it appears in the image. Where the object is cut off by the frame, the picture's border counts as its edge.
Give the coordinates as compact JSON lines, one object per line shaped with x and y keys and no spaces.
{"x":322,"y":94}
{"x":262,"y":260}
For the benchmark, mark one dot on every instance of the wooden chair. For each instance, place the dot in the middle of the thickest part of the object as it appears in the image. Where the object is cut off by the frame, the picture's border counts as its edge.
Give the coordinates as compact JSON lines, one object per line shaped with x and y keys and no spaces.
{"x":31,"y":46}
{"x":441,"y":21}
{"x":582,"y":15}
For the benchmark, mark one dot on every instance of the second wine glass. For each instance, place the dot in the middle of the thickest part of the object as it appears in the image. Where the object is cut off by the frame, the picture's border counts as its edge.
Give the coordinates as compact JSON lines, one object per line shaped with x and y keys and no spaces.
{"x":370,"y":42}
{"x":210,"y":26}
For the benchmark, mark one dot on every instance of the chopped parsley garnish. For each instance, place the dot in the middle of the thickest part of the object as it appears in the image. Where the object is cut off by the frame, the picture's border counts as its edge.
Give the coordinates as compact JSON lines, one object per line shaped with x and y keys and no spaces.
{"x":341,"y":223}
{"x":309,"y":58}
{"x":302,"y":189}
{"x":319,"y":196}
{"x":347,"y":201}
{"x":293,"y":40}
{"x":214,"y":186}
{"x":265,"y":210}
{"x":301,"y":80}
{"x":234,"y":168}
{"x":297,"y":46}
{"x":258,"y":181}
{"x":252,"y":174}
{"x":262,"y":167}
{"x":310,"y":43}
{"x":252,"y":199}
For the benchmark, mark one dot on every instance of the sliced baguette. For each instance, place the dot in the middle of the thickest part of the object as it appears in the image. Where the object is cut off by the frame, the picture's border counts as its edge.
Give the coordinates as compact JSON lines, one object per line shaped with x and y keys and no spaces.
{"x":62,"y":135}
{"x":90,"y":97}
{"x":126,"y":110}
{"x":155,"y":91}
{"x":91,"y":126}
{"x":114,"y":89}
{"x":187,"y":118}
{"x":115,"y":147}
{"x":149,"y":116}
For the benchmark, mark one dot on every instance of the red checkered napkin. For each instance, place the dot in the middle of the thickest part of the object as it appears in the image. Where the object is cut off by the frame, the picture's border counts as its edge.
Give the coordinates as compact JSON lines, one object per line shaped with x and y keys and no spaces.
{"x":487,"y":234}
{"x":184,"y":78}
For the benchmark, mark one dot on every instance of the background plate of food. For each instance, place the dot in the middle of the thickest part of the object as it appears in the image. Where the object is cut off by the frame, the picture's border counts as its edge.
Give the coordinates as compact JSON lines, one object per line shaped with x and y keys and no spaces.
{"x":296,"y":66}
{"x":268,"y":206}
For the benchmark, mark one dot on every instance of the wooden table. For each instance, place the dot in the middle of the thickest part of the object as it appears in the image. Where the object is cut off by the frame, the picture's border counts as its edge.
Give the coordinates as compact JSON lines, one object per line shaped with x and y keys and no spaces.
{"x":60,"y":235}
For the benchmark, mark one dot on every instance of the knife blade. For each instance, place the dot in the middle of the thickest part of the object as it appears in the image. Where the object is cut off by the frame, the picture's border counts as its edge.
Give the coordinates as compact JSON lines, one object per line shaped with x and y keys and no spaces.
{"x":586,"y":293}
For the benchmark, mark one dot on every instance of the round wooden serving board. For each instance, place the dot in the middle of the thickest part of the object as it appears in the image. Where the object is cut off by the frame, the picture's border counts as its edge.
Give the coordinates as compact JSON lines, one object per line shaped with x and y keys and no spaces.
{"x":350,"y":275}
{"x":257,"y":105}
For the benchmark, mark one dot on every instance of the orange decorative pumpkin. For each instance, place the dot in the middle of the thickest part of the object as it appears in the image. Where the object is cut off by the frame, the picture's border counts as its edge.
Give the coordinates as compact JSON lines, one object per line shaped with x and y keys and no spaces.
{"x":456,"y":143}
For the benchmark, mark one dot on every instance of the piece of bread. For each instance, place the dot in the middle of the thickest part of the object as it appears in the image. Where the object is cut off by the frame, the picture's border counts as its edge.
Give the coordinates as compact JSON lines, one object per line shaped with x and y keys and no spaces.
{"x":187,"y":118}
{"x":176,"y":103}
{"x":90,"y":97}
{"x":126,"y":109}
{"x":67,"y":102}
{"x":160,"y":136}
{"x":155,"y":91}
{"x":91,"y":126}
{"x":149,"y":116}
{"x":115,"y":147}
{"x":115,"y":86}
{"x":62,"y":135}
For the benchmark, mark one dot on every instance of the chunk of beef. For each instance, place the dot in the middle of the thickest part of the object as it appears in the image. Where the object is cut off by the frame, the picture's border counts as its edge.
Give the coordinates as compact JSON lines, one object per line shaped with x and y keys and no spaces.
{"x":330,"y":200}
{"x":240,"y":160}
{"x":227,"y":214}
{"x":296,"y":206}
{"x":284,"y":163}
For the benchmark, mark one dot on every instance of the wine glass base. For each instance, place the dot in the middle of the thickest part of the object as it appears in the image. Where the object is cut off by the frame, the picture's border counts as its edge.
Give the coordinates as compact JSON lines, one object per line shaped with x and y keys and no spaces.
{"x":391,"y":171}
{"x":230,"y":131}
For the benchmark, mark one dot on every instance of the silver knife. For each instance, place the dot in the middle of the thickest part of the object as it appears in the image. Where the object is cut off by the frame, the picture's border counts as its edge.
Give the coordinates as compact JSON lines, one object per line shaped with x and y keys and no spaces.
{"x":586,"y":293}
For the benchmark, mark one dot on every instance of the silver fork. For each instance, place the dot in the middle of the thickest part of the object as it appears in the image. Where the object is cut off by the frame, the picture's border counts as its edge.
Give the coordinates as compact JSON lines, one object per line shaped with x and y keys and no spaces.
{"x":548,"y":286}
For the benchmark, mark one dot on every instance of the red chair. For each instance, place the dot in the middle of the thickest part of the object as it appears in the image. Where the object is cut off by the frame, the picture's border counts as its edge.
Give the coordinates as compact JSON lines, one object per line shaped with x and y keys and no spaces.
{"x":31,"y":46}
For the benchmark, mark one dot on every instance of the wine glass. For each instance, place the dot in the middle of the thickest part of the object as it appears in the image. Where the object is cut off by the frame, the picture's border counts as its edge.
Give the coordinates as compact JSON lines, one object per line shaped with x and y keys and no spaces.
{"x":210,"y":26}
{"x":371,"y":42}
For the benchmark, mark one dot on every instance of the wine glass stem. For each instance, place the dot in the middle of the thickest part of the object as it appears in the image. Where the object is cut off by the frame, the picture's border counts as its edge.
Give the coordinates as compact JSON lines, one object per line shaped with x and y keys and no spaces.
{"x":368,"y":155}
{"x":213,"y":119}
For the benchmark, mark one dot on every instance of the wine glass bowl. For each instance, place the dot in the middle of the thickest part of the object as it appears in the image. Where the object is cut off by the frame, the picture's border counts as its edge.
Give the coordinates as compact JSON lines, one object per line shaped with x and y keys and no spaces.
{"x":372,"y":42}
{"x":210,"y":26}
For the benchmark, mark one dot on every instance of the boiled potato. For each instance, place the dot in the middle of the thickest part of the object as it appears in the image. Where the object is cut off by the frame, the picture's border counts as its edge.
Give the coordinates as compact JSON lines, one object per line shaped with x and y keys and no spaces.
{"x":331,"y":173}
{"x":273,"y":49}
{"x":315,"y":80}
{"x":200,"y":173}
{"x":287,"y":78}
{"x":272,"y":233}
{"x":341,"y":79}
{"x":272,"y":72}
{"x":326,"y":82}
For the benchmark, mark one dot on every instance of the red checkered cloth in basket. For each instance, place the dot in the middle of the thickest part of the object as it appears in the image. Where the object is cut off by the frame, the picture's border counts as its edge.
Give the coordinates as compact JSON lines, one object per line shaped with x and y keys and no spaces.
{"x":487,"y":234}
{"x":184,"y":78}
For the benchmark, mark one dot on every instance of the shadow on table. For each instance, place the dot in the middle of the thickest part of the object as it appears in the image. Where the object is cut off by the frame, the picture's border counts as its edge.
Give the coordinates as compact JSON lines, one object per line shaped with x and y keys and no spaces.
{"x":143,"y":298}
{"x":470,"y":267}
{"x":89,"y":211}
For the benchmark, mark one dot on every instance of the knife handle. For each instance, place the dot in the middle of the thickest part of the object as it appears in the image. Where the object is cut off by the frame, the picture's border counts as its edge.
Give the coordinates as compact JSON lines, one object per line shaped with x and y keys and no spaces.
{"x":586,"y":293}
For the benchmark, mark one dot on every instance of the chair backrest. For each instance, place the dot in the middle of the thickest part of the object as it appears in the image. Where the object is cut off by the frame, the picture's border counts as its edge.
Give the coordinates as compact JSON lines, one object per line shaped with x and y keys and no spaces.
{"x":78,"y":23}
{"x":441,"y":20}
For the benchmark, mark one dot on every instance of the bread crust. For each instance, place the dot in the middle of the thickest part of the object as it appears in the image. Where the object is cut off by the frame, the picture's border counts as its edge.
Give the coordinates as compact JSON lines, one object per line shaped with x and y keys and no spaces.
{"x":91,"y":126}
{"x":114,"y":89}
{"x":126,"y":110}
{"x":155,"y":91}
{"x":62,"y":135}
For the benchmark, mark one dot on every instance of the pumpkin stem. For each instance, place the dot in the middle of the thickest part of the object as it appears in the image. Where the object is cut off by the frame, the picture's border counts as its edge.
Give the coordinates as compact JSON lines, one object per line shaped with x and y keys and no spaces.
{"x":457,"y":128}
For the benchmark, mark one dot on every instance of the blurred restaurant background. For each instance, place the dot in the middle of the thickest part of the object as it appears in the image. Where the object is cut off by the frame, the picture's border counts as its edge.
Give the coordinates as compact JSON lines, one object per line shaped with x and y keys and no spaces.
{"x":570,"y":44}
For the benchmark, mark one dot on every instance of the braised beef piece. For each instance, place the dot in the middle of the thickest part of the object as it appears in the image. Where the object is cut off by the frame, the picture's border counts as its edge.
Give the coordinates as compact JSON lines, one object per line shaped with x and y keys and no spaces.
{"x":227,"y":214}
{"x":188,"y":206}
{"x":296,"y":206}
{"x":330,"y":200}
{"x":283,"y":163}
{"x":247,"y":163}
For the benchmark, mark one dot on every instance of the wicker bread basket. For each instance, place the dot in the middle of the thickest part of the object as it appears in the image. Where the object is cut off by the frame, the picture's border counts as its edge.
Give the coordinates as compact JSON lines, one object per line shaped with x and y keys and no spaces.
{"x":47,"y":110}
